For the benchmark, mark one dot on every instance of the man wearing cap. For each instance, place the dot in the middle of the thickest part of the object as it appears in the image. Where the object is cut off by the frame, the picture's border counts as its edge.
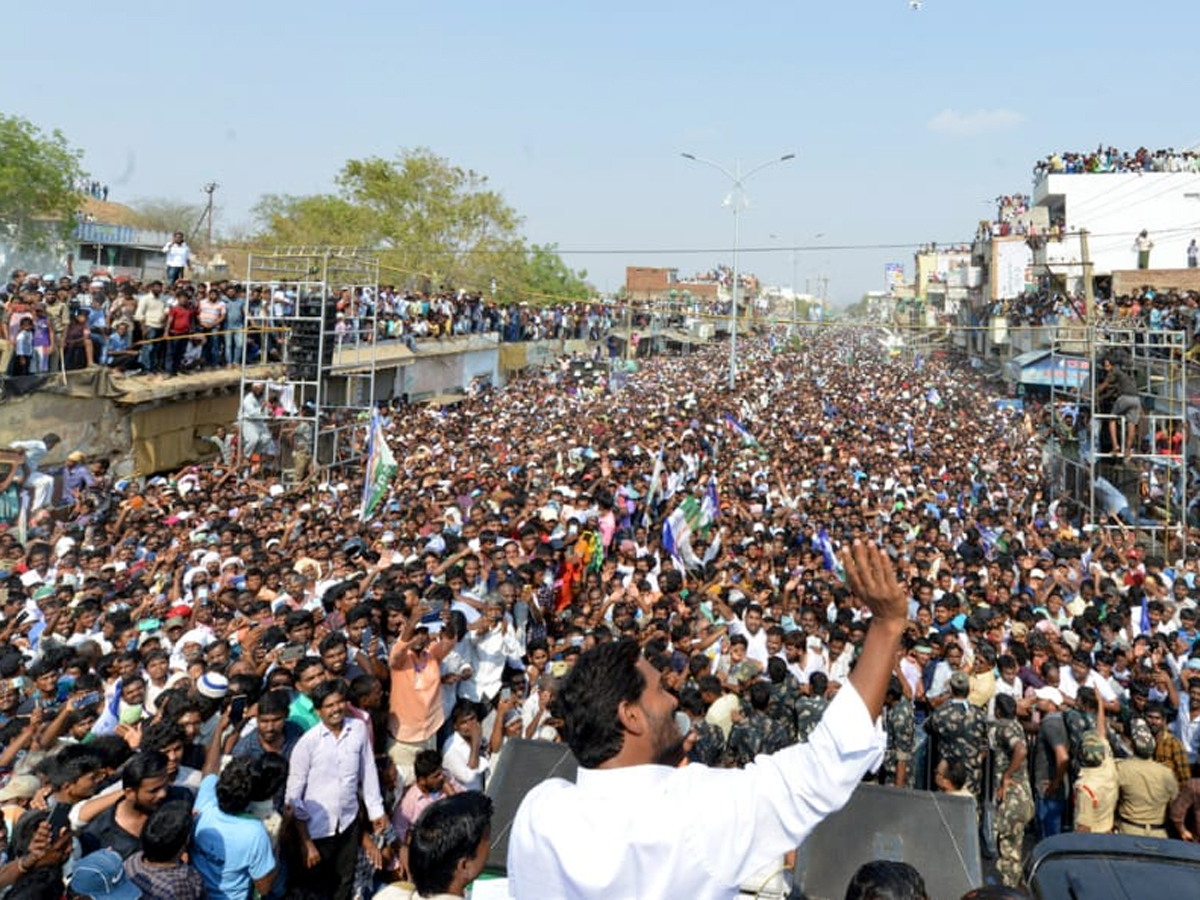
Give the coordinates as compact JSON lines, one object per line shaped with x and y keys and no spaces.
{"x":961,"y":730}
{"x":1096,"y":788}
{"x":101,"y":876}
{"x":76,"y":477}
{"x":1146,"y":787}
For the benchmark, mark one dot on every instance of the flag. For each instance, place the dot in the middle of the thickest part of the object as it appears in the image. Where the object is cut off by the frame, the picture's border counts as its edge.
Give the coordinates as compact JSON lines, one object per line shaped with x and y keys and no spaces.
{"x":710,"y":507}
{"x":908,"y":440}
{"x":933,"y":398}
{"x":918,"y":361}
{"x":689,"y":517}
{"x":381,"y":469}
{"x":825,"y":545}
{"x":737,"y":427}
{"x":1145,"y":623}
{"x":655,"y":480}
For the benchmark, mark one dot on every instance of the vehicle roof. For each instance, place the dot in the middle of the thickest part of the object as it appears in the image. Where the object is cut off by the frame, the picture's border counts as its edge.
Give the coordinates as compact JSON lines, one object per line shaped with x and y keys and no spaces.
{"x":1112,"y":867}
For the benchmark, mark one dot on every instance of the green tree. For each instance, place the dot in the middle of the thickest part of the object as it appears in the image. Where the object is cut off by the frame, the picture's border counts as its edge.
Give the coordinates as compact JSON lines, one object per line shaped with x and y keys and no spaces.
{"x":38,"y":174}
{"x":431,"y":223}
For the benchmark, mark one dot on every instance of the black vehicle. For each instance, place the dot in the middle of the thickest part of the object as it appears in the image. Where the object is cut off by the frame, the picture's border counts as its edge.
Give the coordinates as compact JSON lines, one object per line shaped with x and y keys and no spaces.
{"x":1112,"y":867}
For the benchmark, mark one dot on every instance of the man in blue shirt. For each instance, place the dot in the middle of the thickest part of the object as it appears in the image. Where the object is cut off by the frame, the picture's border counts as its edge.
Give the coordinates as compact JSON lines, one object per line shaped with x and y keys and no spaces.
{"x":231,"y":852}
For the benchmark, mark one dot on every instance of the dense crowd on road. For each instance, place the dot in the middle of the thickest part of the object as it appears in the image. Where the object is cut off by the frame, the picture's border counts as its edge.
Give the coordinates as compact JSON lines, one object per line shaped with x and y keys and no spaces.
{"x":187,"y":656}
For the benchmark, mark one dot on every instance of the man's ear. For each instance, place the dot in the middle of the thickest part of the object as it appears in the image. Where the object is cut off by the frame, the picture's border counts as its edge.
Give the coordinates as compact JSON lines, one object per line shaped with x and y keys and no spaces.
{"x":629,"y":714}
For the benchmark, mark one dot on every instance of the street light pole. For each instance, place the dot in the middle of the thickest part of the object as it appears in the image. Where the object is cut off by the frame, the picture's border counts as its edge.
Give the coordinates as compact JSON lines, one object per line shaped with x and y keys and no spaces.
{"x":737,"y":197}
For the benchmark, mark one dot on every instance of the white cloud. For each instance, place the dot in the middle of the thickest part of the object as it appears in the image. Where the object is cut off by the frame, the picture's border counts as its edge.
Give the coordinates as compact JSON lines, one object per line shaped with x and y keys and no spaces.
{"x":951,"y":121}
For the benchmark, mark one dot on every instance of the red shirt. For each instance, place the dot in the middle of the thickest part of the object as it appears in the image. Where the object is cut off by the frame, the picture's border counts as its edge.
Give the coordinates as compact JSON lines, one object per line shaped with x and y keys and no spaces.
{"x":179,"y":319}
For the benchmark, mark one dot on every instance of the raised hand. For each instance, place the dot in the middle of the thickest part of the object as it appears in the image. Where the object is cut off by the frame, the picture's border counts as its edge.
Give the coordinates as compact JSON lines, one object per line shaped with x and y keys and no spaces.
{"x":871,"y":577}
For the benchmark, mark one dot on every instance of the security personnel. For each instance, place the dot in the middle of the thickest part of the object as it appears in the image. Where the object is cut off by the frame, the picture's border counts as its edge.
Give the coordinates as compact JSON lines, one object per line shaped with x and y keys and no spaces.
{"x":1146,"y":787}
{"x":1096,"y":789}
{"x":961,"y":730}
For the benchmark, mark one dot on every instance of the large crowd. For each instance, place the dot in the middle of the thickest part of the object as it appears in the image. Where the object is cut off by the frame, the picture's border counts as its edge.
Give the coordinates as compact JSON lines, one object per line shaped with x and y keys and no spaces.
{"x":189,"y":658}
{"x":177,"y":326}
{"x":1110,"y":159}
{"x":1145,"y":309}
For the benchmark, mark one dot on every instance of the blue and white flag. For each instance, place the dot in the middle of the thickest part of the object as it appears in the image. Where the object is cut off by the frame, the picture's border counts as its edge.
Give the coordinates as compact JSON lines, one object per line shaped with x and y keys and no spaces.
{"x":735,"y":426}
{"x":825,"y":545}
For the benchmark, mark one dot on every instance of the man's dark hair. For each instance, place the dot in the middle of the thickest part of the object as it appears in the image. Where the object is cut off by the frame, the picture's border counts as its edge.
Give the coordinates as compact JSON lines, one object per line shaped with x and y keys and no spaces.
{"x":268,"y":776}
{"x":448,"y":831}
{"x":235,"y":786}
{"x":884,"y":879}
{"x":332,"y":641}
{"x":426,"y":763}
{"x":818,"y":684}
{"x":760,"y":696}
{"x":305,"y":664}
{"x":72,"y":763}
{"x":327,"y":689}
{"x":776,"y":670}
{"x":603,"y":678}
{"x":142,"y":766}
{"x":167,"y":832}
{"x":162,"y":734}
{"x":274,"y":703}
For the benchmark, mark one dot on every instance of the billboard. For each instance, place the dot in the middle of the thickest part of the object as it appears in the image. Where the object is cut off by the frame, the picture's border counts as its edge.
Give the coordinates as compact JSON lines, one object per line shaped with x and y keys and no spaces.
{"x":893,"y":276}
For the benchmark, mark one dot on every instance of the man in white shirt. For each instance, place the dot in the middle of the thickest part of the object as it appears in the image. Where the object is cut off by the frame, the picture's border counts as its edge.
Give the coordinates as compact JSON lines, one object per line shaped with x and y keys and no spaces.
{"x":496,"y":642}
{"x":463,"y":754}
{"x":750,"y":627}
{"x":178,"y":257}
{"x":39,"y":484}
{"x":635,"y":825}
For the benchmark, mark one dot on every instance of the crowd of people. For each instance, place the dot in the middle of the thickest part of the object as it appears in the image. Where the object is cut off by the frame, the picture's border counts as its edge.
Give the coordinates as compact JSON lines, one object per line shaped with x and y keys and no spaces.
{"x":187,"y":658}
{"x":174,"y":327}
{"x":1145,"y":309}
{"x":1110,"y":159}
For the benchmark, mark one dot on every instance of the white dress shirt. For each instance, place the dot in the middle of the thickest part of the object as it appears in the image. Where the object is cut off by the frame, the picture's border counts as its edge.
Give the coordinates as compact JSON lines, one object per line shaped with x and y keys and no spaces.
{"x":649,"y":831}
{"x":456,"y":759}
{"x":325,"y":773}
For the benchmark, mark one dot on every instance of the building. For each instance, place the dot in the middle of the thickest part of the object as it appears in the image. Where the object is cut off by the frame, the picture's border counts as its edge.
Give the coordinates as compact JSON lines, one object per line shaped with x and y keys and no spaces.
{"x":655,"y":283}
{"x":1114,"y":207}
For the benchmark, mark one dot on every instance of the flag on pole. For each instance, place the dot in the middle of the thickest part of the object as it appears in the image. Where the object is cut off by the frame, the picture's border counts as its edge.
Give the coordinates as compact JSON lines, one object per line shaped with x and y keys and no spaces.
{"x":381,"y":469}
{"x":655,"y":480}
{"x":689,"y":517}
{"x":710,"y":507}
{"x":735,"y":426}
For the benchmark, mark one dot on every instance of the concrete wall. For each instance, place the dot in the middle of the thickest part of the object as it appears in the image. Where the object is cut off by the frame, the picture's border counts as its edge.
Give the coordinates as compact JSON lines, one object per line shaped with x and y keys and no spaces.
{"x":1127,"y":281}
{"x":1114,"y":208}
{"x":95,"y":426}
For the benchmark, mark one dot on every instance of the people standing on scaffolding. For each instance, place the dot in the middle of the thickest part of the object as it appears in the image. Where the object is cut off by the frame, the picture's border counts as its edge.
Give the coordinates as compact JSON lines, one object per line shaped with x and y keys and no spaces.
{"x":1119,"y":387}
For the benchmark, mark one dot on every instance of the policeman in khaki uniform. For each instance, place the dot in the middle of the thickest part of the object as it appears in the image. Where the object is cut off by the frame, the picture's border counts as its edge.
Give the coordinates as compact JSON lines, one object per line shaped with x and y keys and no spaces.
{"x":1146,"y":787}
{"x":1096,"y":788}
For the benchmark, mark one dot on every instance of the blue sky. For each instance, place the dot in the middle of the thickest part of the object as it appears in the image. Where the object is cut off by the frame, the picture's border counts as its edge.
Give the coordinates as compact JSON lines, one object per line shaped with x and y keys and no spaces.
{"x":903,"y":122}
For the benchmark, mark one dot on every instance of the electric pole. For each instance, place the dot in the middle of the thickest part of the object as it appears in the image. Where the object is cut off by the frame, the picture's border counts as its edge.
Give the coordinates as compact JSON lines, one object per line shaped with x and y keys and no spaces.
{"x":210,"y":189}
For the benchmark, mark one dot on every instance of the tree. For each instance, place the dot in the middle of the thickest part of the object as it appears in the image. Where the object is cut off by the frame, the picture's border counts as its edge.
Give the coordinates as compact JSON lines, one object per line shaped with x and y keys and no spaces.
{"x":38,"y":177}
{"x":430,"y":222}
{"x":166,"y":214}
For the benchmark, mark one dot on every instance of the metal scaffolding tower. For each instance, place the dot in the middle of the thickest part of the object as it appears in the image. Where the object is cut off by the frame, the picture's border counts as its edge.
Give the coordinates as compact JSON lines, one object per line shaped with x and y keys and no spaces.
{"x":1148,"y":485}
{"x":317,"y":319}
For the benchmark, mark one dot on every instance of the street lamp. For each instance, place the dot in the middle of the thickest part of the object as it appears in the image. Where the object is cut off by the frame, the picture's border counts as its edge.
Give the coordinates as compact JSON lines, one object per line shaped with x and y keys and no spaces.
{"x":735,"y":199}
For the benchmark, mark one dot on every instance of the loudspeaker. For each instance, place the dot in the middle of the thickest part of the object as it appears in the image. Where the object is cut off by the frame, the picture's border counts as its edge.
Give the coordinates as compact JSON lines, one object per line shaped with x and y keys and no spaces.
{"x":936,"y":833}
{"x":520,"y":765}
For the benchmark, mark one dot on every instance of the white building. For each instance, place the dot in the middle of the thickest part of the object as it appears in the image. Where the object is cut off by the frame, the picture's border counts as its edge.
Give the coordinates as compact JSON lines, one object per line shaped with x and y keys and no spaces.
{"x":1113,"y":207}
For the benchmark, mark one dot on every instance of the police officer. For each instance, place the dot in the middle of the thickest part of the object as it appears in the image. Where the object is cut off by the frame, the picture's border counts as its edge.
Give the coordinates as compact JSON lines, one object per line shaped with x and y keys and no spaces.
{"x":900,"y":724}
{"x":755,"y":732}
{"x":1014,"y":797}
{"x":1146,"y":787}
{"x":961,"y":730}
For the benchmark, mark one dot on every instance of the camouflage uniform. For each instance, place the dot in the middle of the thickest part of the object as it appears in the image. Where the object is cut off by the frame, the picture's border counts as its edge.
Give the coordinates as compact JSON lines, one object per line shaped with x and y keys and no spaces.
{"x":961,"y":730}
{"x":1078,"y":724}
{"x":901,"y":728}
{"x":785,"y":702}
{"x":1016,"y":809}
{"x":709,"y":747}
{"x":808,"y":713}
{"x":756,"y":733}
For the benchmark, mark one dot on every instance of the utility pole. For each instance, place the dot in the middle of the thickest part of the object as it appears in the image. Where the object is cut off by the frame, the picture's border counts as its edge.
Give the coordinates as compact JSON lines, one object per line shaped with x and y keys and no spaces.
{"x":210,"y":189}
{"x":1089,"y":292}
